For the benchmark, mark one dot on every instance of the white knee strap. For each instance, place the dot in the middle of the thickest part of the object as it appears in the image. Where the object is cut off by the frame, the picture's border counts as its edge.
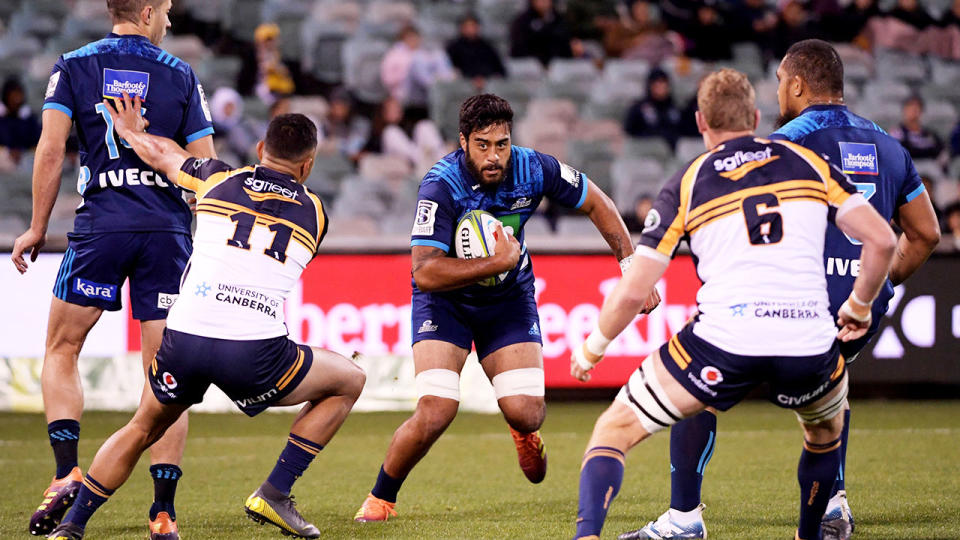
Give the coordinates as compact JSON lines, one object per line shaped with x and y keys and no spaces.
{"x":826,"y":411}
{"x":646,"y":398}
{"x":443,"y":383}
{"x":519,"y":382}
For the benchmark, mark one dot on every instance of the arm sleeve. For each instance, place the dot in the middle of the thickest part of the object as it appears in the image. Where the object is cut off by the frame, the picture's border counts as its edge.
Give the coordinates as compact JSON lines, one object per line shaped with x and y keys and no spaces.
{"x":562,"y":183}
{"x":664,"y":226}
{"x":197,"y":122}
{"x":59,"y":95}
{"x":201,"y":174}
{"x":435,"y":219}
{"x":912,"y":186}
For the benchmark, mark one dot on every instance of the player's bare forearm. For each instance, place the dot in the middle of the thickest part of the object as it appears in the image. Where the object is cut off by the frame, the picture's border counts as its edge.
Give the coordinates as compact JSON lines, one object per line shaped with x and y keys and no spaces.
{"x":879,"y":244}
{"x":161,"y":153}
{"x":921,"y":234}
{"x":48,"y":166}
{"x":202,"y":148}
{"x":433,"y":271}
{"x":630,"y":295}
{"x":605,"y":217}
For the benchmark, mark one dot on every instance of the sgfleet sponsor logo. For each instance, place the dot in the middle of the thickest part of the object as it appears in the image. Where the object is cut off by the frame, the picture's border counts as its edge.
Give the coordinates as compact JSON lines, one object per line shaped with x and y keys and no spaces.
{"x":248,"y":298}
{"x":258,"y":185}
{"x":256,"y":399}
{"x":92,"y":289}
{"x":118,"y":81}
{"x":131,"y":177}
{"x":730,"y":163}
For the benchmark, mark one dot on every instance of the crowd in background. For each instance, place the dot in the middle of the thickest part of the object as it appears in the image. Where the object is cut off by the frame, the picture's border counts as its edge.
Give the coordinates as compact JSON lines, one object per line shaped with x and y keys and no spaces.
{"x":398,"y":133}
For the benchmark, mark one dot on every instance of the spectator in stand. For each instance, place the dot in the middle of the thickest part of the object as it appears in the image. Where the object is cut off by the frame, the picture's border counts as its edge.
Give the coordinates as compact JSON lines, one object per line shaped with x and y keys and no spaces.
{"x":655,"y":115}
{"x":19,"y":125}
{"x":540,"y":32}
{"x":912,"y":13}
{"x":410,"y":68}
{"x":851,"y":22}
{"x":754,"y":20}
{"x":918,"y":140}
{"x":421,"y":146}
{"x":343,"y":131}
{"x":951,"y":17}
{"x":795,"y":24}
{"x":710,"y":37}
{"x":273,"y":76}
{"x":680,"y":15}
{"x":637,"y":35}
{"x":635,"y":219}
{"x":473,"y":55}
{"x":951,"y":240}
{"x":232,"y":132}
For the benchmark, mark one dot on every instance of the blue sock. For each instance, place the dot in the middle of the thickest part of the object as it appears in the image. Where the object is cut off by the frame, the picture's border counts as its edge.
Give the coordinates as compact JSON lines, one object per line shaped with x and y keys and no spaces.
{"x":600,"y":478}
{"x":816,"y":472}
{"x":293,"y":461}
{"x":64,"y":436}
{"x":691,"y":446}
{"x":839,"y":484}
{"x":165,"y":477}
{"x":91,"y":496}
{"x":387,"y":486}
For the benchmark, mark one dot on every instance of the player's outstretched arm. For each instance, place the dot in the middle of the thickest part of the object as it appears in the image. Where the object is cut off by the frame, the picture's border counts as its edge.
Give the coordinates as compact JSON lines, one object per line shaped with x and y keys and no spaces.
{"x":633,"y":294}
{"x":863,"y":223}
{"x":921,"y":234}
{"x":161,"y":153}
{"x":605,"y":217}
{"x":433,"y":271}
{"x":47,"y":168}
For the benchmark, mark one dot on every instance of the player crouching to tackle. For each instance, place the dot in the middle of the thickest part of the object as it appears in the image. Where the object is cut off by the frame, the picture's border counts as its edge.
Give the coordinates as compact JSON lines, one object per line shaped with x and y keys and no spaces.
{"x":257,"y":228}
{"x":452,"y":311}
{"x":755,"y":212}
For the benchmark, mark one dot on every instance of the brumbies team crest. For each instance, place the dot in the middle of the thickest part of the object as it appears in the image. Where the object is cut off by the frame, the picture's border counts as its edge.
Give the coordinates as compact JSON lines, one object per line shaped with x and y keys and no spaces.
{"x":118,"y":81}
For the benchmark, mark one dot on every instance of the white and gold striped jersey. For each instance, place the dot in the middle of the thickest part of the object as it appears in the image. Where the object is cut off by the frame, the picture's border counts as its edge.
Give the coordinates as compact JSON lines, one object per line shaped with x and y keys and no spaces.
{"x":755,"y":213}
{"x":256,"y":231}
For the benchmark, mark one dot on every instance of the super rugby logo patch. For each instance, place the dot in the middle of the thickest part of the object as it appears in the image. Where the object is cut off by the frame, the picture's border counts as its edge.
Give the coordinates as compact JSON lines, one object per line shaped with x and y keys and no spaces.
{"x":118,"y":81}
{"x":426,"y":217}
{"x":52,"y":85}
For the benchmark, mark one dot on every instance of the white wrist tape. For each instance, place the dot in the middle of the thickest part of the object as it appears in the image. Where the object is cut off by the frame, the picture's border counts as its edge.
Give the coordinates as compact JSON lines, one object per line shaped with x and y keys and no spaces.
{"x":597,"y":343}
{"x":847,"y":308}
{"x":625,"y":263}
{"x":581,"y":360}
{"x":856,"y":299}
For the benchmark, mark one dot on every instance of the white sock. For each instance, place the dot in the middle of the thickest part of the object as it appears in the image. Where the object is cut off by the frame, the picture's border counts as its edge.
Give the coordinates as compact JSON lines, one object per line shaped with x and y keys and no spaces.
{"x":685,"y":518}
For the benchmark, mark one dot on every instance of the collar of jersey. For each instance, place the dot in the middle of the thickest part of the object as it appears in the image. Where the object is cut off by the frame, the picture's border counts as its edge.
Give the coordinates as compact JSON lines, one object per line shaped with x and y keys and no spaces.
{"x":111,"y":35}
{"x":824,"y":107}
{"x":266,"y":172}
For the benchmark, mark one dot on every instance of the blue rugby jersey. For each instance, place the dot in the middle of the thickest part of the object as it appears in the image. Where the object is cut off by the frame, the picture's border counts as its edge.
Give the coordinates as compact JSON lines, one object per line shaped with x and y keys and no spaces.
{"x":448,"y":191}
{"x":879,"y":167}
{"x":120,"y":192}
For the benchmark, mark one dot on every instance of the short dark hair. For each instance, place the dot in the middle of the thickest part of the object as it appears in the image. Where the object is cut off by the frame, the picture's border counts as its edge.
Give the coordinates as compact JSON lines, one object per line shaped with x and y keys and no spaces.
{"x":484,"y":110}
{"x":128,"y":10}
{"x":291,"y":137}
{"x":818,"y":64}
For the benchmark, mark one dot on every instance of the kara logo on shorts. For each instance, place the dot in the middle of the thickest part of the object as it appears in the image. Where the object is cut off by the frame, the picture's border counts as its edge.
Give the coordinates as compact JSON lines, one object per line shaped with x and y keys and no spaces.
{"x":165,"y":300}
{"x":168,"y":380}
{"x":711,"y":375}
{"x":427,"y":326}
{"x":118,"y":81}
{"x":92,"y":289}
{"x":426,"y":216}
{"x":859,"y":158}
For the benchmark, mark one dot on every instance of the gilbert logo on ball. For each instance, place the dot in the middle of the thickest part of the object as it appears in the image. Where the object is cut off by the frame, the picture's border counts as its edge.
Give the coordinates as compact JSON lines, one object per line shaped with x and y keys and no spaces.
{"x":475,"y":238}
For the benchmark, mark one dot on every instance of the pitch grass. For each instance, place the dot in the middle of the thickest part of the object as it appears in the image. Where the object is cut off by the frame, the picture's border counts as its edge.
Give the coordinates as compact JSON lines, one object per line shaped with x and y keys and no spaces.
{"x":903,"y":476}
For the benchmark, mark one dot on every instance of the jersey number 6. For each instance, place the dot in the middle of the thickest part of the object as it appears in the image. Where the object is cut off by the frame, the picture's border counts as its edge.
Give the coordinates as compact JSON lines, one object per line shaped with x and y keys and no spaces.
{"x":764,"y":224}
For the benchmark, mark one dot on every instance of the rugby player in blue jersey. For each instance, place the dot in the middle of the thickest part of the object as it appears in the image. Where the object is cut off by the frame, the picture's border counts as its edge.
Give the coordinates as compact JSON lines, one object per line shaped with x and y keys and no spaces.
{"x":452,"y":312}
{"x":813,"y":114}
{"x":132,"y":224}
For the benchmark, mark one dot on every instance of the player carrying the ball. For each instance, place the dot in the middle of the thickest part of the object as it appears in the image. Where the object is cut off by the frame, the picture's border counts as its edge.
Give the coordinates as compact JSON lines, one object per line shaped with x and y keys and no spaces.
{"x":452,"y":312}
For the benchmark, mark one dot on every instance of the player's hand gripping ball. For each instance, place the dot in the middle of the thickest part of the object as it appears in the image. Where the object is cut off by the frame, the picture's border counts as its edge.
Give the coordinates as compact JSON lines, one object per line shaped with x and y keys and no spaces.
{"x":475,"y":238}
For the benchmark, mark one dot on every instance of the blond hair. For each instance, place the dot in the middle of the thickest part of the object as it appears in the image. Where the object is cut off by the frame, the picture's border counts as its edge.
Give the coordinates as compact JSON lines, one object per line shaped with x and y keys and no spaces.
{"x":727,"y":101}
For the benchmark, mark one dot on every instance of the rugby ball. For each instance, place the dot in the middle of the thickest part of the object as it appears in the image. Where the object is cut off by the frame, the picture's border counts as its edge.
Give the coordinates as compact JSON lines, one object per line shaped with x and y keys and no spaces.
{"x":475,"y":238}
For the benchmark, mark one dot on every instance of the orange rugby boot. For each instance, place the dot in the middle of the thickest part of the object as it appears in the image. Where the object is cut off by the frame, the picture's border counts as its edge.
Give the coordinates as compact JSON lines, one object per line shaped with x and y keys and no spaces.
{"x":374,"y":509}
{"x":163,"y":527}
{"x":57,"y":499}
{"x":532,"y":455}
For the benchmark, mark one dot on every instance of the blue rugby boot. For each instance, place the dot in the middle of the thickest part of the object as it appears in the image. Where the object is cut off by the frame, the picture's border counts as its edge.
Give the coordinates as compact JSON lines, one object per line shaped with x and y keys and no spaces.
{"x":666,"y":527}
{"x":837,"y":522}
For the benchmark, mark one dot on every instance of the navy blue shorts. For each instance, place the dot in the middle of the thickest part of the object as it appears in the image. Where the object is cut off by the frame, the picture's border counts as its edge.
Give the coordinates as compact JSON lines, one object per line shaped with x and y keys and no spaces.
{"x":254,"y":374}
{"x":721,"y":379}
{"x":95,"y":266}
{"x":490,"y":327}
